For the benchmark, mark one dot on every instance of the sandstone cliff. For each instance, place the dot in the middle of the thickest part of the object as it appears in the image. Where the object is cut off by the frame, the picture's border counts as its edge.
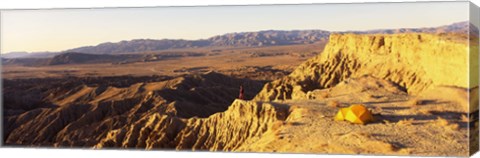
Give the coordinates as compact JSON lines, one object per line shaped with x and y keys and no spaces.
{"x":414,"y":61}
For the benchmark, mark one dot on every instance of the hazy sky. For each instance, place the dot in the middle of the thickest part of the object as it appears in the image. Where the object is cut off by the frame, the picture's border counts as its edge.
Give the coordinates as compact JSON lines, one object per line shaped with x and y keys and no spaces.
{"x":57,"y":30}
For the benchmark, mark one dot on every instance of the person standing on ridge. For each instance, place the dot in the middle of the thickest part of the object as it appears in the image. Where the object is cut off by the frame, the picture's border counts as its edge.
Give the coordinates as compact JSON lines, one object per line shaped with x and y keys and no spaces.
{"x":241,"y":96}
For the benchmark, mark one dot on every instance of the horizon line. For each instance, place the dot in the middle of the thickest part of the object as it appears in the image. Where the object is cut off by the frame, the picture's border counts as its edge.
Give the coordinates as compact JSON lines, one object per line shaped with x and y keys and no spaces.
{"x":239,"y":32}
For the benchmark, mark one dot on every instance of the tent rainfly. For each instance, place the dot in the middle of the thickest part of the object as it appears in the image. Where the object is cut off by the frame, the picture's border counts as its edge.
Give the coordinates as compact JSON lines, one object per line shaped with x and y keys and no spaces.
{"x":356,"y":113}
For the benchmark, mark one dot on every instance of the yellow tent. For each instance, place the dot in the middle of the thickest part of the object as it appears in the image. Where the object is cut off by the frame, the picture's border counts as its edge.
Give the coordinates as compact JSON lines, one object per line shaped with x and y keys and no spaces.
{"x":356,"y":113}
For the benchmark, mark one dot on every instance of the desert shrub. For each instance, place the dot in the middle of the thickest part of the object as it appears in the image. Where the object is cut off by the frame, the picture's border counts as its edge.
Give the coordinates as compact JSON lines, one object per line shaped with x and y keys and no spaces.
{"x":444,"y":123}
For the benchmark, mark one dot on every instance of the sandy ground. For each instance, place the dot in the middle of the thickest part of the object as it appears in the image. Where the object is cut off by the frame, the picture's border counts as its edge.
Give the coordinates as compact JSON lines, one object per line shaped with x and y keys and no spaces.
{"x":405,"y":125}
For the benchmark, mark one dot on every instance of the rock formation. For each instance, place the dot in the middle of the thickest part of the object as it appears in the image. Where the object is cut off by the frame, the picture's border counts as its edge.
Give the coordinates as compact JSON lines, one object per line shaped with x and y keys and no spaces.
{"x":241,"y":124}
{"x":81,"y":112}
{"x":414,"y":61}
{"x":399,"y":77}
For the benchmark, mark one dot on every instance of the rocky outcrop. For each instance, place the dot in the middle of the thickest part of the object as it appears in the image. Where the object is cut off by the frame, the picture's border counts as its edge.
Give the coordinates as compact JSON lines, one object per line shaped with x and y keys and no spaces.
{"x":81,"y":113}
{"x":243,"y":122}
{"x":414,"y":61}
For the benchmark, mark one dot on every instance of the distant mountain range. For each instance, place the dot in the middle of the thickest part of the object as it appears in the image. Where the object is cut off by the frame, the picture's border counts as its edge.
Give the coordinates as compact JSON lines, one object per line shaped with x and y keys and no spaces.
{"x":460,"y":27}
{"x":243,"y":39}
{"x":86,"y":58}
